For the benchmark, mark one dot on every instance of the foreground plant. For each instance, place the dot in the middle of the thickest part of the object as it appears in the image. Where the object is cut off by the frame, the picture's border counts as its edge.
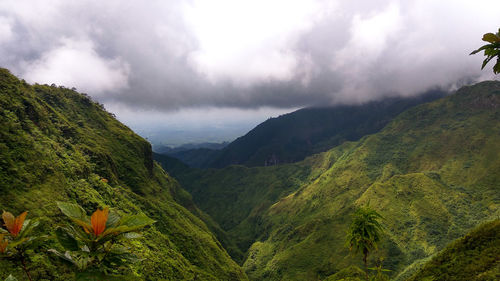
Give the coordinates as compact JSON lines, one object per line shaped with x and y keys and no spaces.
{"x":94,"y":246}
{"x":491,"y":50}
{"x":16,"y":239}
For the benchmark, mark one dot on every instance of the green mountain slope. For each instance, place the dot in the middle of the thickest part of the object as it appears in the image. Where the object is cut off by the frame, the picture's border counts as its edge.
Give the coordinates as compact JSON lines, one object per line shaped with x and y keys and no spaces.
{"x":433,"y":173}
{"x":292,"y":137}
{"x":58,"y":145}
{"x":473,"y":257}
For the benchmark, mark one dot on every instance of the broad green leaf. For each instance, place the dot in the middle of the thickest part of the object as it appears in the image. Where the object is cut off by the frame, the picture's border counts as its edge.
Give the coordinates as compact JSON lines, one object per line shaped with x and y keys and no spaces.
{"x":490,"y":37}
{"x":28,"y":227}
{"x":66,"y":239}
{"x":65,"y":257}
{"x":113,"y":219}
{"x":73,"y":211}
{"x":136,"y":221}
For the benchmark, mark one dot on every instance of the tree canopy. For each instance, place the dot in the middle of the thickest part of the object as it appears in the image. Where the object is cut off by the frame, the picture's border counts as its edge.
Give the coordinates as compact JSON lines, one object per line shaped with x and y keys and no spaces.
{"x":365,"y":231}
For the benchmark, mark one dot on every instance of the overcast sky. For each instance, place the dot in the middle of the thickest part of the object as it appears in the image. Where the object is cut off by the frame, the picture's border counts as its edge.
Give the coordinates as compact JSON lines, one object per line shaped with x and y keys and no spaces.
{"x":219,"y":64}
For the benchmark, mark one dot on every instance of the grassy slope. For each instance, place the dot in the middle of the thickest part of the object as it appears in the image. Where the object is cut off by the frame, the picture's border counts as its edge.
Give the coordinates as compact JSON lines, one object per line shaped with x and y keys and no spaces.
{"x":473,"y":257}
{"x":433,"y":173}
{"x":56,"y":144}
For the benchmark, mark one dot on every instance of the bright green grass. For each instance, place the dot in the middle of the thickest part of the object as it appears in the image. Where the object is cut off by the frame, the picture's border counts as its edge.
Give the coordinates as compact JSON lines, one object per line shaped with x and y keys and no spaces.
{"x":470,"y":258}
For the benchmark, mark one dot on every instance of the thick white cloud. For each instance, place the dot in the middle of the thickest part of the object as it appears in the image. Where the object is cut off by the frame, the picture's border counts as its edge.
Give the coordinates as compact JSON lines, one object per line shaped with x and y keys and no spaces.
{"x":248,"y":40}
{"x":75,"y":63}
{"x":168,"y":55}
{"x":241,"y":53}
{"x":6,"y":33}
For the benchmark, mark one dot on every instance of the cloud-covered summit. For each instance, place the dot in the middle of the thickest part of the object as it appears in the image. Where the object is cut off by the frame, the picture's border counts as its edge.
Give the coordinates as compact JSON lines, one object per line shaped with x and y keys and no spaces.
{"x":167,"y":55}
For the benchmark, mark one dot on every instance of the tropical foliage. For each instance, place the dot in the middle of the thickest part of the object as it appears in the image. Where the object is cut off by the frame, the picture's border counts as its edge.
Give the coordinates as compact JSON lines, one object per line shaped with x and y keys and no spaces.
{"x":491,"y":50}
{"x":95,"y":246}
{"x":365,"y":232}
{"x":17,"y":240}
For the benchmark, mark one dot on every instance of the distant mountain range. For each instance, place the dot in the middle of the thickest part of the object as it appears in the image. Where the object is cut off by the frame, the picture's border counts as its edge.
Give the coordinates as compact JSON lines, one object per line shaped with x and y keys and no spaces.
{"x":162,"y":149}
{"x":292,"y":137}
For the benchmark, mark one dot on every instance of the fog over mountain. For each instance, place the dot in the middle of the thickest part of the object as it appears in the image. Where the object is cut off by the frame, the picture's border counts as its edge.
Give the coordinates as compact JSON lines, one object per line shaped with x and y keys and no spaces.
{"x":166,"y":58}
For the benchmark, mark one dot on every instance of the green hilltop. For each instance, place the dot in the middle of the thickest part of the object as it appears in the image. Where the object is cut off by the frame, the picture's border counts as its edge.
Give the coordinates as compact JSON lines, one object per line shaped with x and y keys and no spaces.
{"x":433,"y":173}
{"x":59,"y":145}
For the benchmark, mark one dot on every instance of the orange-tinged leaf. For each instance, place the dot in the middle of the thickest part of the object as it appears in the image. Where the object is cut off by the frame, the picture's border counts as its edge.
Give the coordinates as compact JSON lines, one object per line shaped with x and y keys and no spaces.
{"x":18,"y":223}
{"x":14,"y":225}
{"x":98,"y":221}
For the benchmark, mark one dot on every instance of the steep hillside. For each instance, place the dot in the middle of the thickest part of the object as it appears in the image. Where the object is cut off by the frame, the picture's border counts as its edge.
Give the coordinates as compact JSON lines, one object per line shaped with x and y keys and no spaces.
{"x":473,"y":257}
{"x":58,"y":145}
{"x":432,"y":172}
{"x":292,"y":137}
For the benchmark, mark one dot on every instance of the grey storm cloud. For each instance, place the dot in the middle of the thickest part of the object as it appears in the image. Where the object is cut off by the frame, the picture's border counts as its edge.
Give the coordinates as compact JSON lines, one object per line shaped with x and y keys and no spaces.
{"x":167,"y":55}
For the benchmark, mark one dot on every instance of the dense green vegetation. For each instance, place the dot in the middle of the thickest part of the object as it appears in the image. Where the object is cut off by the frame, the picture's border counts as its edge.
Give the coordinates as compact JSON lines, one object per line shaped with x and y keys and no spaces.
{"x":58,"y":145}
{"x":433,"y":173}
{"x":473,"y":257}
{"x":294,"y":136}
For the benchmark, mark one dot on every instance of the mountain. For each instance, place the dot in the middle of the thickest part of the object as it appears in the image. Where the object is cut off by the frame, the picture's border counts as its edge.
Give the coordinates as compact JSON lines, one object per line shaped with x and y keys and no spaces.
{"x":59,"y":145}
{"x":432,"y":172}
{"x":473,"y":257}
{"x":194,"y":155}
{"x":189,"y":146}
{"x":292,"y":137}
